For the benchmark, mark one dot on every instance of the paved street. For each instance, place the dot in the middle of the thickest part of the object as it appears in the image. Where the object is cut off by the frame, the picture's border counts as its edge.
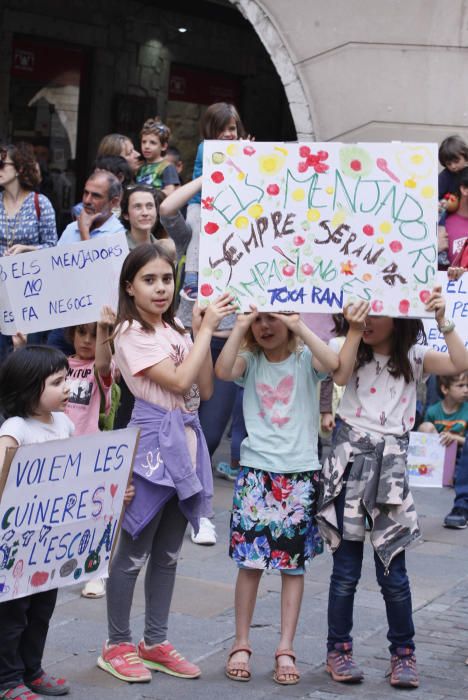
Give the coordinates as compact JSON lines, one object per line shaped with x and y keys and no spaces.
{"x":202,"y":623}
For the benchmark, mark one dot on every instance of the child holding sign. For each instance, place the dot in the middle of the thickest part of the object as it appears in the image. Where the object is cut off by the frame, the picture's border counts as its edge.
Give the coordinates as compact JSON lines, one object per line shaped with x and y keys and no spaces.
{"x":272,"y":524}
{"x":365,"y":475}
{"x":34,"y":395}
{"x":89,"y":377}
{"x":167,"y":374}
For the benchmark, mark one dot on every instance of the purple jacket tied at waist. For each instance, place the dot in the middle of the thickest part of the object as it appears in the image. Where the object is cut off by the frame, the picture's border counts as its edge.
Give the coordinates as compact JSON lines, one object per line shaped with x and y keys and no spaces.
{"x":163,"y":467}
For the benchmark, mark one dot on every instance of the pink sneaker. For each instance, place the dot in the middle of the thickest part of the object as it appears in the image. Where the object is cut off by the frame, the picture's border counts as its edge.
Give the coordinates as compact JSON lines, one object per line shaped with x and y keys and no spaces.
{"x":163,"y":657}
{"x":121,"y":661}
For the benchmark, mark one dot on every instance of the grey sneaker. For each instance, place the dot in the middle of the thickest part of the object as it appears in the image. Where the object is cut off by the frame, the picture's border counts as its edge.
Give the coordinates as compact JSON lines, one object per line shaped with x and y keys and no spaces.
{"x":457,"y":518}
{"x":341,"y":665}
{"x":403,"y":672}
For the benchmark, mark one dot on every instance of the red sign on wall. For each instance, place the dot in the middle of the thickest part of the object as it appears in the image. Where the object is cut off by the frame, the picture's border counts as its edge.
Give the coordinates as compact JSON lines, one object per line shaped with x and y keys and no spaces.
{"x":202,"y":86}
{"x":42,"y":62}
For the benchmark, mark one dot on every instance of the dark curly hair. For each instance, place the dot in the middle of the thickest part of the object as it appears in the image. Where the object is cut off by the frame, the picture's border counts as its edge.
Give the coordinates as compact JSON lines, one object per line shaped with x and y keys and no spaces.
{"x":156,"y":127}
{"x":23,"y":375}
{"x":24,"y":160}
{"x":158,"y":196}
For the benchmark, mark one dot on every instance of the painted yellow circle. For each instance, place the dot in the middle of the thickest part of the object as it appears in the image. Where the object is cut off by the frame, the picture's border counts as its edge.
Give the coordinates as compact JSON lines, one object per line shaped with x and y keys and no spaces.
{"x":380,"y":240}
{"x":241,"y":222}
{"x":298,"y":194}
{"x":313,"y":215}
{"x":231,"y":150}
{"x":417,"y":158}
{"x":385,"y":227}
{"x":269,"y":164}
{"x":255,"y":211}
{"x":241,"y":176}
{"x":410,"y":182}
{"x":339,"y":217}
{"x":427,"y":192}
{"x":329,"y":190}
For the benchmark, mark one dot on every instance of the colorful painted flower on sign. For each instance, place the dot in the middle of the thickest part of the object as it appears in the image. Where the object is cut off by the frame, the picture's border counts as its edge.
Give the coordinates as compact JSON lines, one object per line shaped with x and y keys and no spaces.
{"x":306,"y":226}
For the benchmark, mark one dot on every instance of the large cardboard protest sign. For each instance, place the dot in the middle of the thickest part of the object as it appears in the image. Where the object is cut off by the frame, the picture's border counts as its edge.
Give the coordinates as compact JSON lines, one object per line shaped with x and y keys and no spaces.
{"x":456,"y":297}
{"x":430,"y":464}
{"x":60,"y":286}
{"x":60,"y":508}
{"x":307,"y":226}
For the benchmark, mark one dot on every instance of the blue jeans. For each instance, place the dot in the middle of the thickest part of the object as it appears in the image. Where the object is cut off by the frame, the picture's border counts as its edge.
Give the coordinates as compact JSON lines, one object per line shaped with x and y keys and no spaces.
{"x":215,"y":413}
{"x":347,"y":565}
{"x":238,"y":431}
{"x":461,"y":479}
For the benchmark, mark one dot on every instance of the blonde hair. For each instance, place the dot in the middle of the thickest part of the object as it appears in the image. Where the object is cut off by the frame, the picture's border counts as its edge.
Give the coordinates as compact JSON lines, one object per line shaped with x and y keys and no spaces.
{"x":112,"y":145}
{"x":249,"y":343}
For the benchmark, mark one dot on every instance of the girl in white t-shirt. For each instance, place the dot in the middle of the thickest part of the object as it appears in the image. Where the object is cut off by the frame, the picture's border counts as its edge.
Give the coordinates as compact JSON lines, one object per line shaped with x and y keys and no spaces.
{"x":365,"y":476}
{"x":272,"y":523}
{"x":33,"y":396}
{"x":167,"y":374}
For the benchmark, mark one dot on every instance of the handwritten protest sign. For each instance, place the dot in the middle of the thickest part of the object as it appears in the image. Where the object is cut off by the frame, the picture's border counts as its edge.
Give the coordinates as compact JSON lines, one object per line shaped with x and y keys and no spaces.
{"x":456,"y":296}
{"x":60,"y":505}
{"x":305,"y":226}
{"x":61,"y":286}
{"x":429,"y":462}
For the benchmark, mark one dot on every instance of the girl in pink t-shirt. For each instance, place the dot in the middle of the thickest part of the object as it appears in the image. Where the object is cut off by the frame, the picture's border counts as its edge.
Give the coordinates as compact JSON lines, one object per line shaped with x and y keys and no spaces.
{"x":91,"y":363}
{"x":168,"y":374}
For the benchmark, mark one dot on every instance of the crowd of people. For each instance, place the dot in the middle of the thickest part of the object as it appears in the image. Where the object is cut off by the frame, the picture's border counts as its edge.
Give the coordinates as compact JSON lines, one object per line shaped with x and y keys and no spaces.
{"x":183,"y":375}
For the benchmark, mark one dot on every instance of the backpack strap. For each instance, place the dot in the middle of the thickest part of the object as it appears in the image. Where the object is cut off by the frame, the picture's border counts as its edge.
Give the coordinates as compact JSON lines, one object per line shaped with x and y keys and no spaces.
{"x":37,"y":206}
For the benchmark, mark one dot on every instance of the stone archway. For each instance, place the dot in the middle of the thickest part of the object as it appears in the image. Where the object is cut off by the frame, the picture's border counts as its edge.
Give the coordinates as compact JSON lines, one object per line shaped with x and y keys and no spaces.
{"x":271,"y":38}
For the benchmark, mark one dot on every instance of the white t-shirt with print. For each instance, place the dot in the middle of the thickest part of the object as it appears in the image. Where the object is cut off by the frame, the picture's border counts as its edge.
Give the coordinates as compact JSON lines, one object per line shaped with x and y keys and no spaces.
{"x":379,"y":404}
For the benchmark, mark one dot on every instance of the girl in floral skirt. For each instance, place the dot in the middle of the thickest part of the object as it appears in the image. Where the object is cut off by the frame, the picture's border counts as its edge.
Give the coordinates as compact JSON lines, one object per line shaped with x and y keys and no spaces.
{"x":272,"y":524}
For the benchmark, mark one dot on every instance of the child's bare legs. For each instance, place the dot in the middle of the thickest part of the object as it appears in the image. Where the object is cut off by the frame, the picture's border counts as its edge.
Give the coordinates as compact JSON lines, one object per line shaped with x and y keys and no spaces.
{"x":292,"y":589}
{"x":244,"y":602}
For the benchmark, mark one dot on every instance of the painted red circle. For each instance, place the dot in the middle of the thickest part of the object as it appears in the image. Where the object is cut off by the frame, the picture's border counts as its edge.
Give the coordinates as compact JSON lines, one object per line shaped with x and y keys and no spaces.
{"x":396,"y":246}
{"x":424,"y":295}
{"x":355,"y":165}
{"x":404,"y":306}
{"x":273,"y":190}
{"x":211,"y":227}
{"x":368,"y":230}
{"x":217,"y":176}
{"x":206,"y":290}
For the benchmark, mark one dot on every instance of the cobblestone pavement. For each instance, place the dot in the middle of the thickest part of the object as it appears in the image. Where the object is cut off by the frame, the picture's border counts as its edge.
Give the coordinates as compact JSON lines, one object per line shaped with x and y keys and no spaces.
{"x":202,"y":623}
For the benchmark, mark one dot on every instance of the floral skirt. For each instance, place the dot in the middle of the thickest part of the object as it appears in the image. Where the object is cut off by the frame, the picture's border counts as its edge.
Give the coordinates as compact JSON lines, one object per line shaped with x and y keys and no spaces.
{"x":273,"y":519}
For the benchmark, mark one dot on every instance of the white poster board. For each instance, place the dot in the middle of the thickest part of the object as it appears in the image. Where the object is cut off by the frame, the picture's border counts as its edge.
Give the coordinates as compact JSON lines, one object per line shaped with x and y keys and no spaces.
{"x":60,"y":509}
{"x":456,"y":296}
{"x":60,"y":286}
{"x":430,"y":463}
{"x":307,"y":226}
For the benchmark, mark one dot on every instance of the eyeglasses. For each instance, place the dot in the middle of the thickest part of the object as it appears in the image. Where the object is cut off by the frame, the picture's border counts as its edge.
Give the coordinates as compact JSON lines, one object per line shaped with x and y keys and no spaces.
{"x":5,"y":162}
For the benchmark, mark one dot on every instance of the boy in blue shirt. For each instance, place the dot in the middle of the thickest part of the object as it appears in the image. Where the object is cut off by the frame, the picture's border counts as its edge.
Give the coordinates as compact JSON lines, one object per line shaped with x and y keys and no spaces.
{"x":449,"y":417}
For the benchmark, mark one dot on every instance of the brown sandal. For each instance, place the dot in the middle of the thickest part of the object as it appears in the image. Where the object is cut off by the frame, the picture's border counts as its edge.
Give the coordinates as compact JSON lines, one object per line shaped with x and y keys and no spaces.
{"x":233,"y":667}
{"x":286,"y":670}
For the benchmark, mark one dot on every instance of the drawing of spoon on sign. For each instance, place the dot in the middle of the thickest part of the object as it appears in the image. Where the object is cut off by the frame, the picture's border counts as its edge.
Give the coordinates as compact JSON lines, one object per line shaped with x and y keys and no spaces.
{"x":17,"y":574}
{"x":241,"y":174}
{"x":383,"y":166}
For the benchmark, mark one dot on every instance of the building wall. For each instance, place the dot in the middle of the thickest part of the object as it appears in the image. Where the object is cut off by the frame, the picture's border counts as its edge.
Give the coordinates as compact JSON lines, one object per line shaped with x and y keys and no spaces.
{"x":371,"y":70}
{"x":131,"y":45}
